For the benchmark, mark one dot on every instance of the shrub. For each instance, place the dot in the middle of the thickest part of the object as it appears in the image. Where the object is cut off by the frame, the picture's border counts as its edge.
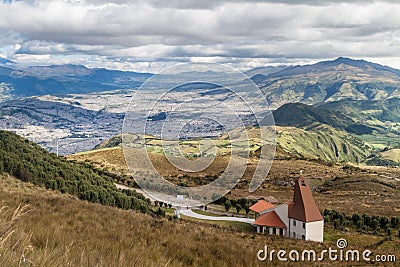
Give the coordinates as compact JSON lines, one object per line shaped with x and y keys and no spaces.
{"x":238,"y":208}
{"x":227,"y":205}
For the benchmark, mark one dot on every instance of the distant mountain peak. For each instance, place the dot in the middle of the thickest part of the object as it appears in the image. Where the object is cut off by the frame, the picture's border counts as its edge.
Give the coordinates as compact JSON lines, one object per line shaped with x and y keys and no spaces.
{"x":361,"y":63}
{"x":57,"y":70}
{"x":346,"y":61}
{"x":325,"y":81}
{"x":60,"y":66}
{"x":67,"y":65}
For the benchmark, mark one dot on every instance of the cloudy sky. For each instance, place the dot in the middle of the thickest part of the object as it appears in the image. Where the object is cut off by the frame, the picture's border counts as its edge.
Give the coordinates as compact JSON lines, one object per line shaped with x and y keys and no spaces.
{"x":149,"y":35}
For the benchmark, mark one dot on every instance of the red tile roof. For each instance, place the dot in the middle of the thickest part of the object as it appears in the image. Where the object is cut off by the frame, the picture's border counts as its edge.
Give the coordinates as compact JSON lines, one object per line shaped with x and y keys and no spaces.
{"x":261,"y":205}
{"x":303,"y":207}
{"x":270,"y":219}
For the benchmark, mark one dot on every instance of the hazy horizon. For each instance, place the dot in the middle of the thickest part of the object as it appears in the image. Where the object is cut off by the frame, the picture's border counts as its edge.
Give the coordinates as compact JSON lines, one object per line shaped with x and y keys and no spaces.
{"x":148,"y":36}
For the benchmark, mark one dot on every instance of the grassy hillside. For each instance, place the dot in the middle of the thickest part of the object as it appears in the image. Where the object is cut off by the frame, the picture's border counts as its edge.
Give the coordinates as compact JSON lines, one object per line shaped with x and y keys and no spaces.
{"x":392,"y":154}
{"x":306,"y":116}
{"x":30,"y":163}
{"x":63,"y":231}
{"x":369,"y":110}
{"x":372,"y":122}
{"x":320,"y":142}
{"x":302,"y":115}
{"x":323,"y":143}
{"x":188,"y":148}
{"x":57,"y":230}
{"x":317,"y":133}
{"x":382,"y":115}
{"x":343,"y":187}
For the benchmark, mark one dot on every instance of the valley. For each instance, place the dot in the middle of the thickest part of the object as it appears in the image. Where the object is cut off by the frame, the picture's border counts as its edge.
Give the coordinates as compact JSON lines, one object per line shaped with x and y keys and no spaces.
{"x":338,"y":121}
{"x":97,"y":233}
{"x":91,"y":233}
{"x":221,"y":133}
{"x":345,"y":187}
{"x":80,"y":121}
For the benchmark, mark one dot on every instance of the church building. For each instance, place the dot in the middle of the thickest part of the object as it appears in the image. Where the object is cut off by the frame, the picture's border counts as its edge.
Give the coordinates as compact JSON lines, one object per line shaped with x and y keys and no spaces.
{"x":299,"y":218}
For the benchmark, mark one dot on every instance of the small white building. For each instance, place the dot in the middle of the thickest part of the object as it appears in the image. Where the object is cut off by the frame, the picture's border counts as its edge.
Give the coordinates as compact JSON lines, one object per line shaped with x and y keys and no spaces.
{"x":299,"y":219}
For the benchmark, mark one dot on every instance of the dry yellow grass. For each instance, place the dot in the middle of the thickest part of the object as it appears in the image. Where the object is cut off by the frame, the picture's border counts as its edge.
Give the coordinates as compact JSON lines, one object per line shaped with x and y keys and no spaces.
{"x":95,"y":235}
{"x":392,"y":154}
{"x":352,"y":190}
{"x":63,"y":231}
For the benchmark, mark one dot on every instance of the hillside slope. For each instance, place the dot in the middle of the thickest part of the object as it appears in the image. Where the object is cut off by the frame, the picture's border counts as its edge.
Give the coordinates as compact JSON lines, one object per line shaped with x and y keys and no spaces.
{"x":320,"y":141}
{"x":316,"y":133}
{"x":367,"y":110}
{"x":62,"y":231}
{"x":339,"y":185}
{"x":324,"y":143}
{"x":383,"y":116}
{"x":29,"y":162}
{"x":307,"y":116}
{"x":376,"y":123}
{"x":328,"y":81}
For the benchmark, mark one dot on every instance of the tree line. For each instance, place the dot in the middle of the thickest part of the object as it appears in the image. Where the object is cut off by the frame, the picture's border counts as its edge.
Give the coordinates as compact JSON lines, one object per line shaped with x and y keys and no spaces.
{"x":237,"y":204}
{"x":29,"y":162}
{"x":363,"y":223}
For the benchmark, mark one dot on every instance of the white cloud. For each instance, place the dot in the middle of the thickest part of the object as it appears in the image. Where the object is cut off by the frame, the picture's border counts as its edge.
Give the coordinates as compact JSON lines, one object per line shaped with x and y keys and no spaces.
{"x":235,"y":32}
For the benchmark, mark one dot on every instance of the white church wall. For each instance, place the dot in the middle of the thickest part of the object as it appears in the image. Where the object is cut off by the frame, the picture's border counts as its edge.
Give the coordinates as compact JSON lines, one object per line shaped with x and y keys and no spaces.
{"x":315,"y":231}
{"x":296,"y":227}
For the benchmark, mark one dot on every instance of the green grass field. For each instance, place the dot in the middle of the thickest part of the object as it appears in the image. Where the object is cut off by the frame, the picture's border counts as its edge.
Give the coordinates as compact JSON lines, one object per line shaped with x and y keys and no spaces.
{"x":380,"y":141}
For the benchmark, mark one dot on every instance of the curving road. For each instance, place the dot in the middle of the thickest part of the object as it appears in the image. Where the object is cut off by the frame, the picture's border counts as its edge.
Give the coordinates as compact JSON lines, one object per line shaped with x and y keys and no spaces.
{"x":190,"y":213}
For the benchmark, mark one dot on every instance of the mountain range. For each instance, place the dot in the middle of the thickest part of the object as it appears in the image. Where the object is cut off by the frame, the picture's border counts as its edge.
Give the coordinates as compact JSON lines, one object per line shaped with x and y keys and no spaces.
{"x":326,"y":81}
{"x":347,"y":130}
{"x":329,"y":81}
{"x":340,"y":97}
{"x":64,"y":79}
